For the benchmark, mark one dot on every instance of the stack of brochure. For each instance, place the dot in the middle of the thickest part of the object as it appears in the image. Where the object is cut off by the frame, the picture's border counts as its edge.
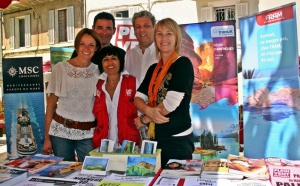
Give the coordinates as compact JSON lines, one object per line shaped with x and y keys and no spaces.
{"x":217,"y":169}
{"x":182,"y":168}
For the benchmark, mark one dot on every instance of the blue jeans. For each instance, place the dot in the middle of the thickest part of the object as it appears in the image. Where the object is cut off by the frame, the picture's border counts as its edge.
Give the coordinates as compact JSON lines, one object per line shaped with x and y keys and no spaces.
{"x":66,"y":148}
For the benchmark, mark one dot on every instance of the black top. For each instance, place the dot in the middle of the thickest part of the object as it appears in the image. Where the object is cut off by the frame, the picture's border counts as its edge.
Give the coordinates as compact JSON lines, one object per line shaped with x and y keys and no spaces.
{"x":96,"y":57}
{"x":179,"y":78}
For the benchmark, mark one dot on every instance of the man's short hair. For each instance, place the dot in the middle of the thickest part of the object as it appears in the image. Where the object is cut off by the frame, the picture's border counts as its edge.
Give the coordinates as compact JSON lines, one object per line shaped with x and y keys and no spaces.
{"x":106,"y":16}
{"x":143,"y":13}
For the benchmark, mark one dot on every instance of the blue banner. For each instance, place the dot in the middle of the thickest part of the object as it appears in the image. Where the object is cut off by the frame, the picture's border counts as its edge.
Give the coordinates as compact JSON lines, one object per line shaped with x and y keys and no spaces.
{"x":271,"y":97}
{"x":23,"y":106}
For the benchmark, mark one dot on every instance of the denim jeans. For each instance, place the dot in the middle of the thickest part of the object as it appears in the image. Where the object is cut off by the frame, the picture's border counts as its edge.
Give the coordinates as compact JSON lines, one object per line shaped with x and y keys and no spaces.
{"x":66,"y":148}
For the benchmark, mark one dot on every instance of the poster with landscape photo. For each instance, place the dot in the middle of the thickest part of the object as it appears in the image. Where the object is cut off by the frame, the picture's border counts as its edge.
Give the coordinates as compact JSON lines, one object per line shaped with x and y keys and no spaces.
{"x":59,"y":54}
{"x":211,"y":46}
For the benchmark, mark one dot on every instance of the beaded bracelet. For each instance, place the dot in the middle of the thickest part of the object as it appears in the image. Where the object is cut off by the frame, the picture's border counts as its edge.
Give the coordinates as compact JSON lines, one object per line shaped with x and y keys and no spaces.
{"x":141,"y":119}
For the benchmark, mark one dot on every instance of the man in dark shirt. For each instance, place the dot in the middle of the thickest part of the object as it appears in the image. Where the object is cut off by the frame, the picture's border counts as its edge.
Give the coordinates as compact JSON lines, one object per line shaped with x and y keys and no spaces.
{"x":104,"y":25}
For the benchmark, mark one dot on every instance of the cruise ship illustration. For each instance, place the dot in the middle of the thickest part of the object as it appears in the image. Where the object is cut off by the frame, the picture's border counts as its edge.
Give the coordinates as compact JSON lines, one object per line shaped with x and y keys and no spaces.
{"x":26,"y":144}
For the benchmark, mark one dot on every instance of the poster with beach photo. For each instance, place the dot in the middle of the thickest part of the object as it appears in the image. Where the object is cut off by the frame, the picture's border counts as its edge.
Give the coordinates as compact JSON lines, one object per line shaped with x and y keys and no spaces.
{"x":24,"y":105}
{"x":271,"y":100}
{"x":211,"y":46}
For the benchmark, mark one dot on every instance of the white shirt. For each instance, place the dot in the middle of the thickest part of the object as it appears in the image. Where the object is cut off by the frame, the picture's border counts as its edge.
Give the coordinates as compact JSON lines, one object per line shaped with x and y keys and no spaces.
{"x":137,"y":63}
{"x":112,"y":107}
{"x":76,"y":90}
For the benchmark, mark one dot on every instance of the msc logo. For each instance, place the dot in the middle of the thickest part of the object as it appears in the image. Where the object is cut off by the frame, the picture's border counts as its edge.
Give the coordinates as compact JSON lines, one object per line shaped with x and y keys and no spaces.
{"x":12,"y":71}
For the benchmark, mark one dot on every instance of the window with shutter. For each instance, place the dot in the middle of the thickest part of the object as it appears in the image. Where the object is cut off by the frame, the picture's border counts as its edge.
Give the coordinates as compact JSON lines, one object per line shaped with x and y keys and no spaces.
{"x":241,"y":11}
{"x":21,"y":30}
{"x":70,"y":24}
{"x":133,"y":10}
{"x":207,"y":14}
{"x":27,"y":38}
{"x":12,"y":33}
{"x":225,"y":13}
{"x":61,"y":29}
{"x":62,"y":25}
{"x":51,"y":26}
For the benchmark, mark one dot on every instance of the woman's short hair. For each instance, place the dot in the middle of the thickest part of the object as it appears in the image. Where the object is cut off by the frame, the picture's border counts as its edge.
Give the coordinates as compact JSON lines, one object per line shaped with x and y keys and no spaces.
{"x":108,"y":51}
{"x":173,"y":27}
{"x":88,"y":32}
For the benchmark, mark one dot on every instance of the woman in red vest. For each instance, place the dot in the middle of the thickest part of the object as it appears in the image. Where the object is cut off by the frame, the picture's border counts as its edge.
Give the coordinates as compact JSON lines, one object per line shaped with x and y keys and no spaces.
{"x":114,"y":103}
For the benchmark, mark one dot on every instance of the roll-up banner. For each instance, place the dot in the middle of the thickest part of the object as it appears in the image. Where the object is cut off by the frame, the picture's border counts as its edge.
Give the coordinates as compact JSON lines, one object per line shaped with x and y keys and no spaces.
{"x":23,"y":105}
{"x":271,"y":97}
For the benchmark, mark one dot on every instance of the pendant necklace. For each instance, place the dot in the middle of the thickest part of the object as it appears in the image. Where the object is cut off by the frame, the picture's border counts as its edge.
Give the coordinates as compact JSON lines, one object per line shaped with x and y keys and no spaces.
{"x":78,"y":63}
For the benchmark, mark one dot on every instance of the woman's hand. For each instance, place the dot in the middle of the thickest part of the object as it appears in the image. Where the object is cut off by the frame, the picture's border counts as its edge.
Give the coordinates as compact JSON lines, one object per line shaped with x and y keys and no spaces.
{"x":47,"y":148}
{"x":138,"y":124}
{"x":154,"y":113}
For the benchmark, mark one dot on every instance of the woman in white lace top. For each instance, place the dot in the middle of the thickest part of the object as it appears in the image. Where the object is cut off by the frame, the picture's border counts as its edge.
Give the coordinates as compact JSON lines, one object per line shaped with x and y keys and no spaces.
{"x":69,"y":121}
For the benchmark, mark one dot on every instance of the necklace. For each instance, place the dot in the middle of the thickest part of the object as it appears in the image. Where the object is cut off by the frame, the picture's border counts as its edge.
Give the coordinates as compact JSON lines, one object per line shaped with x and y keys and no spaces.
{"x":78,"y":63}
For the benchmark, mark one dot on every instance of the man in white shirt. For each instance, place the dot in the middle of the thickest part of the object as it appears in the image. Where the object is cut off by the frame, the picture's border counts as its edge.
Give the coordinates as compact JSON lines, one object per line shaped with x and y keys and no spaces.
{"x":142,"y":56}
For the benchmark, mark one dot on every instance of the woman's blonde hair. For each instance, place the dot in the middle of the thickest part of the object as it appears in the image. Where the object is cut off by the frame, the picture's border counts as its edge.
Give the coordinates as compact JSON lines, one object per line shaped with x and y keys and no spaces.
{"x":173,"y":27}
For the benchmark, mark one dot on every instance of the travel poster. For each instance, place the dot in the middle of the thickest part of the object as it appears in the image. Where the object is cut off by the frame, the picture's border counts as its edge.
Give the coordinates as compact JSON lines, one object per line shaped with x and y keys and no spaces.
{"x":58,"y":54}
{"x":23,"y":105}
{"x":211,"y":46}
{"x":271,"y":84}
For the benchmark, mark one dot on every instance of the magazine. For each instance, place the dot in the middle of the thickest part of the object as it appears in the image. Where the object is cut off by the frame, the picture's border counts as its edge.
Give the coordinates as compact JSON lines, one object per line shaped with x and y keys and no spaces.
{"x":60,"y":170}
{"x":11,"y":176}
{"x":248,"y":167}
{"x":34,"y":163}
{"x":282,"y":162}
{"x":217,"y":169}
{"x":133,"y":179}
{"x":115,"y":183}
{"x":86,"y":179}
{"x":182,"y":168}
{"x":215,"y":166}
{"x":46,"y":181}
{"x":166,"y":181}
{"x":193,"y":181}
{"x":283,"y":171}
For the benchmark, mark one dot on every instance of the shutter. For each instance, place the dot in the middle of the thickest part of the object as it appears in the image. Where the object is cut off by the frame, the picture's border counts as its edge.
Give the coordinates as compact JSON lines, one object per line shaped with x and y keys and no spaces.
{"x":27,"y":31}
{"x":133,"y":10}
{"x":56,"y":29}
{"x":12,"y":33}
{"x":17,"y":33}
{"x":241,"y":10}
{"x":51,"y":27}
{"x":207,"y":14}
{"x":70,"y":24}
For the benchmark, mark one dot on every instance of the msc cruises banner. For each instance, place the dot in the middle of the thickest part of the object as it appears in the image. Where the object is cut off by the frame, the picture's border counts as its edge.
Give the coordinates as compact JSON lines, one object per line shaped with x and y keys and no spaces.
{"x":214,"y":106}
{"x":271,"y":84}
{"x":23,"y":105}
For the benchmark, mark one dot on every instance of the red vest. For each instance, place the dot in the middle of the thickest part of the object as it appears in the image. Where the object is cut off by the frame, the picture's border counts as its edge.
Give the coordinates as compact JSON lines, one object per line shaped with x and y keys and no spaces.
{"x":126,"y":113}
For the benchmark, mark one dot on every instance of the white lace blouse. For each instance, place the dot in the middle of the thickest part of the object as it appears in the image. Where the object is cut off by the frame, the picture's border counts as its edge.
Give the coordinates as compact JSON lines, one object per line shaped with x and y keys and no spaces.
{"x":75,"y":88}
